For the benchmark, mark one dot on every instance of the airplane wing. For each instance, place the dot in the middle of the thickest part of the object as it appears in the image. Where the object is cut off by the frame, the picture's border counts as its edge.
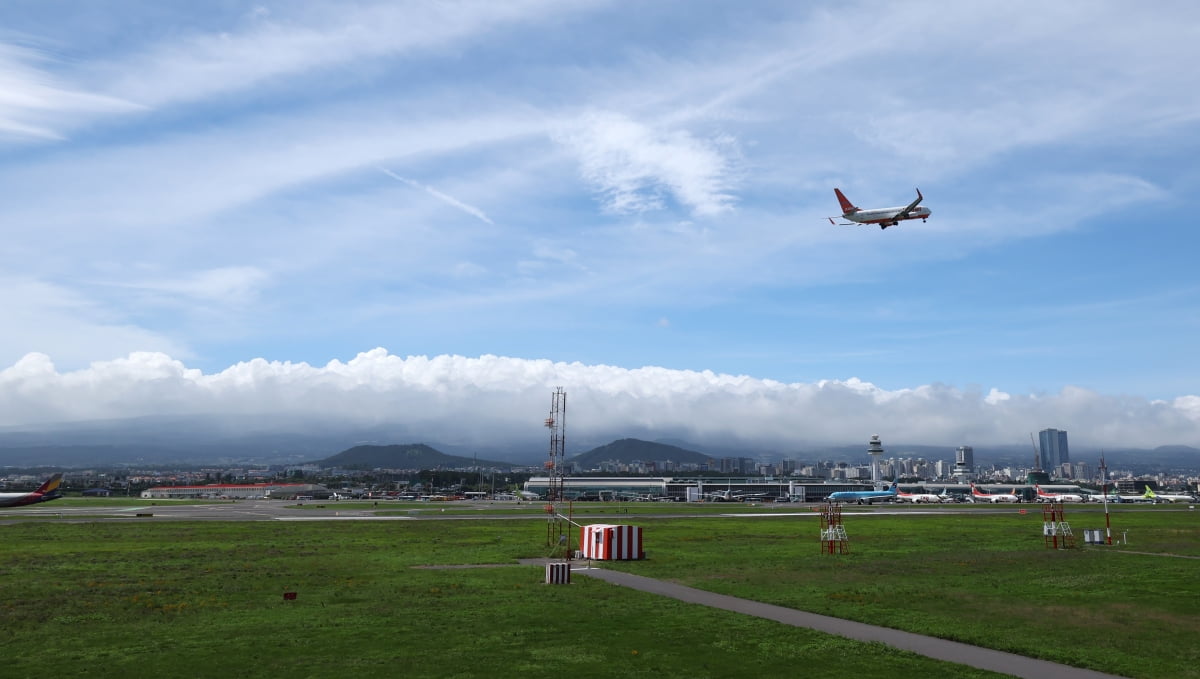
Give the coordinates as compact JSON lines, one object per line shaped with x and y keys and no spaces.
{"x":911,"y":206}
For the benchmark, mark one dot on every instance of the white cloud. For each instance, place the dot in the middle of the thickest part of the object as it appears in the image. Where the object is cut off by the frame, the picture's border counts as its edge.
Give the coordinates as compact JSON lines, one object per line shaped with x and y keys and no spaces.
{"x":33,"y":101}
{"x":206,"y":64}
{"x":189,"y":177}
{"x":503,"y":397}
{"x":72,"y":325}
{"x":230,"y":285}
{"x":632,"y":165}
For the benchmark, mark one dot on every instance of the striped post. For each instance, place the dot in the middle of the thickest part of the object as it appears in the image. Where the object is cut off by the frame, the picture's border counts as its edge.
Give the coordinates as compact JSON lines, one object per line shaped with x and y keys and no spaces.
{"x":558,"y":574}
{"x":608,"y":542}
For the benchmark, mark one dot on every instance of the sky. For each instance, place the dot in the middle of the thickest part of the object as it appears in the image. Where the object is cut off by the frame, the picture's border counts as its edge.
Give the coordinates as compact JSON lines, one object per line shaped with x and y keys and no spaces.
{"x":439,"y":212}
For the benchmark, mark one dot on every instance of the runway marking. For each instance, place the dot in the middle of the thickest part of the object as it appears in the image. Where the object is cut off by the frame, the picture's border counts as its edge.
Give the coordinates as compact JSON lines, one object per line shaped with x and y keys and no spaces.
{"x":345,"y":518}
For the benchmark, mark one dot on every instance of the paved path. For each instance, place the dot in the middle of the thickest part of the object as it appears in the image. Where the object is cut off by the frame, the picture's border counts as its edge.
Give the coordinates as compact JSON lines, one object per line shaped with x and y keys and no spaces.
{"x":940,"y":649}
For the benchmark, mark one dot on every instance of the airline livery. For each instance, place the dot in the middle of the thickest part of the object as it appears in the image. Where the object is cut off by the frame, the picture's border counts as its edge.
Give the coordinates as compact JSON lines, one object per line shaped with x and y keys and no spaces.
{"x":1166,"y":497}
{"x":1057,"y":497}
{"x":980,"y":496}
{"x":864,"y":496}
{"x":46,"y":492}
{"x":884,"y":217}
{"x":914,"y":498}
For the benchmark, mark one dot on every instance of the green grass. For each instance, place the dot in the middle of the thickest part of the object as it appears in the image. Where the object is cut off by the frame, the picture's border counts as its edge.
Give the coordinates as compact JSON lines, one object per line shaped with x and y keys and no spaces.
{"x":205,"y":598}
{"x":984,"y":579}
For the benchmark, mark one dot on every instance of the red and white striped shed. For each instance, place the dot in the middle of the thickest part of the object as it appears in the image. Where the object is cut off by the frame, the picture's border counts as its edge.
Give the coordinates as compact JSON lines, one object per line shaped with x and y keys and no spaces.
{"x":611,"y":542}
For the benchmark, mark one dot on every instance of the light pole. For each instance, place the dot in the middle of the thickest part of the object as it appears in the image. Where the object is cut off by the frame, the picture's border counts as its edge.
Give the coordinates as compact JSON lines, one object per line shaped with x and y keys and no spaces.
{"x":1104,"y":495}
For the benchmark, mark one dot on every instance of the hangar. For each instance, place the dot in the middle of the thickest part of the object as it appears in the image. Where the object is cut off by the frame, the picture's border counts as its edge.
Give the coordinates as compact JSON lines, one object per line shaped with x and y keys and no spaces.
{"x":258,"y":491}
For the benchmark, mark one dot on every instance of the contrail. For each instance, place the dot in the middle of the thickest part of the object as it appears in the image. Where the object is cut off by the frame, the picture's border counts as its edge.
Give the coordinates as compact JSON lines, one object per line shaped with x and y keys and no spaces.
{"x":450,"y":200}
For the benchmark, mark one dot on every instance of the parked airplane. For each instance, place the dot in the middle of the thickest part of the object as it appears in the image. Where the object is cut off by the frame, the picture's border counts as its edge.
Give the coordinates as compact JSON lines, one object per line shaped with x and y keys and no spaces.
{"x":1169,"y":497}
{"x":1131,"y":498}
{"x":980,"y":496}
{"x":735,"y":496}
{"x":864,"y":496}
{"x":46,"y":492}
{"x":884,"y":217}
{"x":914,"y":498}
{"x":1057,"y":497}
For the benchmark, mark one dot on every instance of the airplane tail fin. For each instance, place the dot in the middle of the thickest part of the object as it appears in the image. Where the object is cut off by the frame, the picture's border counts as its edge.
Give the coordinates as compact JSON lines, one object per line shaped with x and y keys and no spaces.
{"x":51,"y":485}
{"x":847,"y":206}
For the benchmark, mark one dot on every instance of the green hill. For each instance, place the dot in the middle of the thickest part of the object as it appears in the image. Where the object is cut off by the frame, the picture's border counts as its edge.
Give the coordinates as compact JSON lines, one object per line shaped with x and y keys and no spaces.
{"x":403,"y":456}
{"x":629,"y":450}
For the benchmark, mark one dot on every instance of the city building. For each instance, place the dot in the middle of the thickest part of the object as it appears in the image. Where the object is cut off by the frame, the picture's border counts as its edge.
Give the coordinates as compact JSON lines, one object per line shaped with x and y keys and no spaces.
{"x":964,"y":464}
{"x":1052,"y":451}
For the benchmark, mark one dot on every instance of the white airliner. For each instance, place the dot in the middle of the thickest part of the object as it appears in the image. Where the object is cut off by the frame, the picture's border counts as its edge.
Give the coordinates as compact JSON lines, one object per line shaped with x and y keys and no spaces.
{"x":884,"y":217}
{"x":914,"y":498}
{"x":46,"y":492}
{"x":980,"y":496}
{"x":1057,"y":497}
{"x":1169,"y":497}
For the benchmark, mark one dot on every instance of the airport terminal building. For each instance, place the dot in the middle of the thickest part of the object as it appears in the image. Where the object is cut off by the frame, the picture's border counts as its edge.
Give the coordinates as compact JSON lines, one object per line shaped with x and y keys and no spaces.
{"x":690,"y":489}
{"x":697,"y":489}
{"x":238,"y":491}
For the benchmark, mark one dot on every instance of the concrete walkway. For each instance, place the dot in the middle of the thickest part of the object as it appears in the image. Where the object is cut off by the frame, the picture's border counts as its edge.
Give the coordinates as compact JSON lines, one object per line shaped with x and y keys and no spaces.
{"x":932,"y":647}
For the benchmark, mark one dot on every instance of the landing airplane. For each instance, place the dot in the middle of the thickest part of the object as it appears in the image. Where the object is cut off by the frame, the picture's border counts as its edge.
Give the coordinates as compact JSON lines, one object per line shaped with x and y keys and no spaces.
{"x":1057,"y":497}
{"x":1151,"y":495}
{"x":979,"y":495}
{"x":863,"y":496}
{"x":46,"y":492}
{"x":884,"y":217}
{"x":917,"y":497}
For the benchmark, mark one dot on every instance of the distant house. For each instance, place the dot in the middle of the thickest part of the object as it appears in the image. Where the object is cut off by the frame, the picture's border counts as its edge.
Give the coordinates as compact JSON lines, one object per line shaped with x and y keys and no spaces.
{"x":97,"y":492}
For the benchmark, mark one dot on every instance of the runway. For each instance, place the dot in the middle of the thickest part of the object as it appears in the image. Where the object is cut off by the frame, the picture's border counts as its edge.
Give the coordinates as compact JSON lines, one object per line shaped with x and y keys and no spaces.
{"x":288,"y":510}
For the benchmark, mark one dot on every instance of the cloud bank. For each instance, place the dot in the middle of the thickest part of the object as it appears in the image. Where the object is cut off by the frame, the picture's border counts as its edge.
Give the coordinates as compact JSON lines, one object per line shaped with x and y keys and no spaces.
{"x":456,"y":399}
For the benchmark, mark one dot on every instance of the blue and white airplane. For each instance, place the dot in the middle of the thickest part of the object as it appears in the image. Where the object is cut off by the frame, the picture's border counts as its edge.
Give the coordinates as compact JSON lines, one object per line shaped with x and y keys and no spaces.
{"x":863,"y":496}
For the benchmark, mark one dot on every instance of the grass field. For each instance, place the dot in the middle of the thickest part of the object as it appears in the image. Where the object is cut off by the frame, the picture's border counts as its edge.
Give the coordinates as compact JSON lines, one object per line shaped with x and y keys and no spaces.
{"x":205,"y":598}
{"x":981,"y":579}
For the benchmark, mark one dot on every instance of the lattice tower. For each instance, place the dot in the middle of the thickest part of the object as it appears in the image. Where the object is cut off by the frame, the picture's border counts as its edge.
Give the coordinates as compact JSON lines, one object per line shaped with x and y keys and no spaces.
{"x":558,"y":533}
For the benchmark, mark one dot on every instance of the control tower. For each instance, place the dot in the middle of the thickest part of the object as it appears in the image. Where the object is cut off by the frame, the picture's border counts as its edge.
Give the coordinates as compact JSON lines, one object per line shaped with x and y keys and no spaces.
{"x":875,"y":450}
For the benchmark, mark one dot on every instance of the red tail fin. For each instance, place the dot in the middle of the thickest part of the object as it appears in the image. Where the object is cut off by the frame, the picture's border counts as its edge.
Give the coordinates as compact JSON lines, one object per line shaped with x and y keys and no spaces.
{"x":847,"y":206}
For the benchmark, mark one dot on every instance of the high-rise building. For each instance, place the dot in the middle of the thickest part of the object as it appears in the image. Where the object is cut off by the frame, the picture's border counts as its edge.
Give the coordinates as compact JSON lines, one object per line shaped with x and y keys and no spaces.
{"x":1052,"y":449}
{"x":964,"y":463}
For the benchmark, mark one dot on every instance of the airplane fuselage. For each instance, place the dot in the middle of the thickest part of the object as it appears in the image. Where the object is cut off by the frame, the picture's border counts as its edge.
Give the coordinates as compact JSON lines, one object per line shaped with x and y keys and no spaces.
{"x":918,"y":497}
{"x":886,"y":215}
{"x":980,"y":496}
{"x":1167,"y":497}
{"x":46,"y":492}
{"x":863,"y":496}
{"x":22,"y":499}
{"x":1060,"y":497}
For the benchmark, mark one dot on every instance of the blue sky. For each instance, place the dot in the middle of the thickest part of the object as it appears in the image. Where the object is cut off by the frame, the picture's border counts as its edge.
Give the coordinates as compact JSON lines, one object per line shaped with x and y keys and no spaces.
{"x":581,"y":190}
